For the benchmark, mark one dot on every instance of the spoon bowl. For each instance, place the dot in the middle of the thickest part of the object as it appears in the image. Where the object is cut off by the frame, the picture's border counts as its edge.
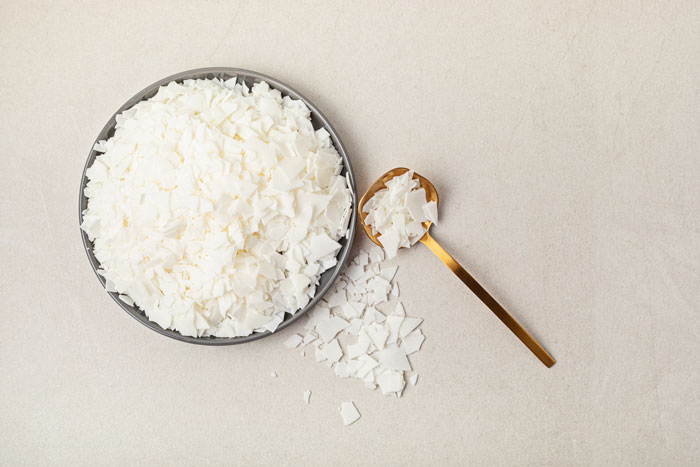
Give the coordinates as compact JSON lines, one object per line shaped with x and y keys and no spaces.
{"x":432,"y":195}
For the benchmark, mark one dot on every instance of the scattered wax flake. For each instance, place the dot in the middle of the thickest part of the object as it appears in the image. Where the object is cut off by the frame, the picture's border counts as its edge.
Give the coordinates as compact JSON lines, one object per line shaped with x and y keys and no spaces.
{"x":394,"y":324}
{"x":414,"y":379}
{"x":430,"y":209}
{"x":379,"y":345}
{"x":273,"y":374}
{"x":329,"y":328}
{"x":399,"y":310}
{"x":408,"y":325}
{"x":369,"y":378}
{"x":395,"y":290}
{"x":363,"y":258}
{"x":354,"y":366}
{"x":353,"y":310}
{"x":377,"y":297}
{"x":320,"y":354}
{"x":355,"y":272}
{"x":293,"y":341}
{"x":413,"y":342}
{"x":349,"y":413}
{"x":309,"y":337}
{"x":341,"y":370}
{"x":372,"y":315}
{"x":319,"y":313}
{"x":355,"y":326}
{"x":307,"y":397}
{"x":376,"y":254}
{"x":355,"y":350}
{"x":391,"y":382}
{"x":368,"y":364}
{"x":388,"y":272}
{"x":302,"y":353}
{"x":338,"y":298}
{"x":378,"y":334}
{"x":394,"y":358}
{"x":333,"y":351}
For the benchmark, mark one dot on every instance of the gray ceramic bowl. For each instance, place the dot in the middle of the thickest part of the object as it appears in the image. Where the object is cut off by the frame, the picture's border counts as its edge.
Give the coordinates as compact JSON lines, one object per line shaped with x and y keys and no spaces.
{"x":318,"y":120}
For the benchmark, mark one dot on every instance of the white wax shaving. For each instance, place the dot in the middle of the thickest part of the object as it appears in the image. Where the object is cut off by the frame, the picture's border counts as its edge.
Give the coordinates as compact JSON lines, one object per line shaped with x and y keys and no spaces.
{"x":397,"y":213}
{"x":293,"y":341}
{"x":215,"y":208}
{"x":349,"y":413}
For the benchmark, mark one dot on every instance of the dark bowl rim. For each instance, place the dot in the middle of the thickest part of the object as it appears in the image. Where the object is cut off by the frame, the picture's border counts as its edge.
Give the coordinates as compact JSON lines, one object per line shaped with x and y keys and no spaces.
{"x":343,"y":255}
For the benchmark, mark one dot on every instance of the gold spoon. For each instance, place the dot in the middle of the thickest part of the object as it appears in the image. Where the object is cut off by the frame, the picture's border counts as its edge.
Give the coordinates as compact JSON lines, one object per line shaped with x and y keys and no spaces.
{"x":479,"y":291}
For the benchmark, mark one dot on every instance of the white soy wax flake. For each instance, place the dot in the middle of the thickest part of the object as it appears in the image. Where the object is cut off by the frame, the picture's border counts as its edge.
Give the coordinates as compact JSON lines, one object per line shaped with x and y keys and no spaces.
{"x":307,"y":397}
{"x":348,"y":413}
{"x":412,"y":342}
{"x":394,"y":358}
{"x":293,"y":341}
{"x":126,"y":299}
{"x":229,"y":204}
{"x":431,"y":211}
{"x":395,"y":290}
{"x":273,"y":374}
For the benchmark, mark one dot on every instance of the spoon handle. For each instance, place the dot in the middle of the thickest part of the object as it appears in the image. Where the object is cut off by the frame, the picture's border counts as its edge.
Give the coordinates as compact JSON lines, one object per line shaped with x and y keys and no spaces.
{"x":489,"y":301}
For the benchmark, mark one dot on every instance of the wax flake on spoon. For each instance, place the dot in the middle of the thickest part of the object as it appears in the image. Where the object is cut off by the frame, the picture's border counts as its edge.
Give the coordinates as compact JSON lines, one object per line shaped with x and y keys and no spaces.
{"x":396,"y":213}
{"x":431,"y":212}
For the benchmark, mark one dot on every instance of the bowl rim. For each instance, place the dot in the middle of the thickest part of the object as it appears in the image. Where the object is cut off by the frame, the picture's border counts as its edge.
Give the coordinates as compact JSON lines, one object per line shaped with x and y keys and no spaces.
{"x":224,"y":73}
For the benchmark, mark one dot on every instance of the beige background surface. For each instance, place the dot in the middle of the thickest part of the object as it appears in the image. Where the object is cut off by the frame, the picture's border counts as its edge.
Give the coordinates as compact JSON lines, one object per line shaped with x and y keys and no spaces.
{"x":564,"y":139}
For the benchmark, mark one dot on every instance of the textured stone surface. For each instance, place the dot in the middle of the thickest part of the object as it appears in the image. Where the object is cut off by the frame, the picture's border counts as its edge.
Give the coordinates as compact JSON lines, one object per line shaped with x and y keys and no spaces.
{"x":564,"y":140}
